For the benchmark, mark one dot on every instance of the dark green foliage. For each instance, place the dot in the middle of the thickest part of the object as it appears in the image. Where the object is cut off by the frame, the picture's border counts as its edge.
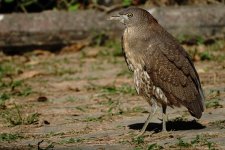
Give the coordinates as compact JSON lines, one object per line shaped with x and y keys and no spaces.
{"x":182,"y":143}
{"x":154,"y":146}
{"x":15,"y":116}
{"x":9,"y":137}
{"x":138,"y":140}
{"x":199,"y":140}
{"x":125,"y":89}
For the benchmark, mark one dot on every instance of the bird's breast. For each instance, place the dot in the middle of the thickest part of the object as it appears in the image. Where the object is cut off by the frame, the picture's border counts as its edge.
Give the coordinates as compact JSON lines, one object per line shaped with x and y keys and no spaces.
{"x":133,"y":57}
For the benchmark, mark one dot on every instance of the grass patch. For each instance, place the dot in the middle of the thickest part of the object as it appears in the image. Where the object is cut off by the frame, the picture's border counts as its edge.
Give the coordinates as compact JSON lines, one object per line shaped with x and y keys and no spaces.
{"x":60,"y":71}
{"x":115,"y":45}
{"x":51,"y":134}
{"x":82,"y":108}
{"x":220,"y":124}
{"x":154,"y":146}
{"x":25,"y":92}
{"x":13,"y":88}
{"x":138,"y":140}
{"x":111,"y":52}
{"x":3,"y":97}
{"x":140,"y":144}
{"x":71,"y":99}
{"x":182,"y":143}
{"x":213,"y":103}
{"x":114,"y":107}
{"x":213,"y":99}
{"x":124,"y":89}
{"x":9,"y":137}
{"x":138,"y":109}
{"x":206,"y":55}
{"x":200,"y":141}
{"x":8,"y":69}
{"x":125,"y":72}
{"x":127,"y":2}
{"x":94,"y":119}
{"x":72,"y":140}
{"x":14,"y":116}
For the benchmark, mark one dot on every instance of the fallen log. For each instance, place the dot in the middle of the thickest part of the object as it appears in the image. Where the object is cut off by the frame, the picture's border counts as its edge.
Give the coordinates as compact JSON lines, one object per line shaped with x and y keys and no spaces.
{"x":52,"y":29}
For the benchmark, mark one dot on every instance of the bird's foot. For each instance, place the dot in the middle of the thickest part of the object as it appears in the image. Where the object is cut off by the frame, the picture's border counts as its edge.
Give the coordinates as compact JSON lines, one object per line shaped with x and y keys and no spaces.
{"x":141,"y":133}
{"x":165,"y":133}
{"x":164,"y":130}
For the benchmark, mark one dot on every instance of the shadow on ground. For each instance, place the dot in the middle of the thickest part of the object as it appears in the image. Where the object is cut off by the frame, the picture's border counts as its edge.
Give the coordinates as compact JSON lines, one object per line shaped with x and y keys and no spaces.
{"x":170,"y":125}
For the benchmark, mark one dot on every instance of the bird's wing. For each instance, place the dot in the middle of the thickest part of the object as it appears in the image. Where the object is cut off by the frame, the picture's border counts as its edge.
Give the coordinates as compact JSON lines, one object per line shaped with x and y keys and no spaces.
{"x":171,"y":70}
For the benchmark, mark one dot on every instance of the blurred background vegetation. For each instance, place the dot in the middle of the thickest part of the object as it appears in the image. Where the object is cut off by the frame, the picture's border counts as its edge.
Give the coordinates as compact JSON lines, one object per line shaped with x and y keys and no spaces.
{"x":9,"y":6}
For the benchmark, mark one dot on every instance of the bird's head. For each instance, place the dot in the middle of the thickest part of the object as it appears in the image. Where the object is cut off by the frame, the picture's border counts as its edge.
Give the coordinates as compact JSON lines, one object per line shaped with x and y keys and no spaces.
{"x":134,"y":16}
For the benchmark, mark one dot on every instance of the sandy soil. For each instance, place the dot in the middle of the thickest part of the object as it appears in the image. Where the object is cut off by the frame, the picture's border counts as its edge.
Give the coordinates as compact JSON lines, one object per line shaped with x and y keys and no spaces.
{"x":86,"y":100}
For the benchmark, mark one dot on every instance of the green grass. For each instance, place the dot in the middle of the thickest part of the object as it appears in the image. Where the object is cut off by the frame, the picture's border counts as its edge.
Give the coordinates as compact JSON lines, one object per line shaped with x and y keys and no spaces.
{"x":31,"y":118}
{"x":3,"y":97}
{"x":214,"y":51}
{"x":115,"y":45}
{"x":198,"y":141}
{"x":12,"y":89}
{"x":71,"y":99}
{"x":25,"y":91}
{"x":213,"y":103}
{"x":81,"y":108}
{"x":51,"y":134}
{"x":7,"y":69}
{"x":138,"y":140}
{"x":60,"y":71}
{"x":206,"y":55}
{"x":182,"y":143}
{"x":111,"y":52}
{"x":8,"y":86}
{"x":139,"y":143}
{"x":218,"y":45}
{"x":94,"y":119}
{"x":14,"y":116}
{"x":124,"y":89}
{"x":220,"y":124}
{"x":154,"y":146}
{"x":125,"y":72}
{"x":127,"y":2}
{"x":9,"y":137}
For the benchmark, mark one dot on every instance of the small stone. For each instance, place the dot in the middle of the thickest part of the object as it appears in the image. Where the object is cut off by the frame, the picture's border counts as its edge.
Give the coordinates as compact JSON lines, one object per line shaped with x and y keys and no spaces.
{"x":42,"y":99}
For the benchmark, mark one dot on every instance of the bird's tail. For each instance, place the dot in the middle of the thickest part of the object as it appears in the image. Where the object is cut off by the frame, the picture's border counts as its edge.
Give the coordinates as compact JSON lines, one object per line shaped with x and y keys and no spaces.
{"x":195,"y":109}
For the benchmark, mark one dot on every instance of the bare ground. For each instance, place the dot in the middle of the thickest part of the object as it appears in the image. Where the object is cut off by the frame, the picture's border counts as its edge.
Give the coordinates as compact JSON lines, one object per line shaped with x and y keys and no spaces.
{"x":86,"y":100}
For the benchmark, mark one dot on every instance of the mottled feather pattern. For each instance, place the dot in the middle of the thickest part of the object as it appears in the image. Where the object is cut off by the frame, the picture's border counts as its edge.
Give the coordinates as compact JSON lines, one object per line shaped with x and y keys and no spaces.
{"x":163,"y":72}
{"x":169,"y":69}
{"x":159,"y":62}
{"x":182,"y":78}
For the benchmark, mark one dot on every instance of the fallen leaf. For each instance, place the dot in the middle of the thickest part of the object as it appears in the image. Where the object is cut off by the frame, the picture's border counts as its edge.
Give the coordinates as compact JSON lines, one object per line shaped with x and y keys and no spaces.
{"x":74,"y":47}
{"x":39,"y":52}
{"x":29,"y":74}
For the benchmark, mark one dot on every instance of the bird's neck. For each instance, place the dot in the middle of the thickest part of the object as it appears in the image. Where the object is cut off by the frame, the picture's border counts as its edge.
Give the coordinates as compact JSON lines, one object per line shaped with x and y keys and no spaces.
{"x":138,"y":32}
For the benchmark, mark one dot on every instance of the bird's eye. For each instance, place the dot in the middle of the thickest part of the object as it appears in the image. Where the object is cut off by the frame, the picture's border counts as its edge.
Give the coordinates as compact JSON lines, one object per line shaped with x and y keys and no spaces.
{"x":129,"y":15}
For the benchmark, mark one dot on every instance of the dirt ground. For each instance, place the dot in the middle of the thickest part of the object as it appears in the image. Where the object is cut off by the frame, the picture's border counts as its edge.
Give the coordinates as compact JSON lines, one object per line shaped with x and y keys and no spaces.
{"x":84,"y":99}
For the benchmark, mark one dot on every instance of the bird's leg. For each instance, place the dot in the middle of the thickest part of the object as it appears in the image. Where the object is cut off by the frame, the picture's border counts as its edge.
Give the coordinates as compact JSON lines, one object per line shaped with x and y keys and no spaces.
{"x":151,"y":114}
{"x":164,"y":118}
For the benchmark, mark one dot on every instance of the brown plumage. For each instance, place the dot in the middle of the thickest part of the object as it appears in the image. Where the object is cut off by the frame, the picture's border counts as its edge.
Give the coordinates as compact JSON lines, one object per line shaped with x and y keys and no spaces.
{"x":163,"y":72}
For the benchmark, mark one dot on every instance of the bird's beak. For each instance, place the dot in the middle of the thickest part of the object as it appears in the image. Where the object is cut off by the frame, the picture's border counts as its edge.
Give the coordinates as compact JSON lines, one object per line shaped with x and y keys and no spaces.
{"x":120,"y":18}
{"x":116,"y":17}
